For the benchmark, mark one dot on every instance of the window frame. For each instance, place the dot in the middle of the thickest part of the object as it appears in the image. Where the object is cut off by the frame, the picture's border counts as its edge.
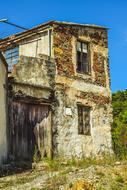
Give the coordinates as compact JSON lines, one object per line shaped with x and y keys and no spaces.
{"x":82,"y":130}
{"x":88,"y":57}
{"x":11,"y":56}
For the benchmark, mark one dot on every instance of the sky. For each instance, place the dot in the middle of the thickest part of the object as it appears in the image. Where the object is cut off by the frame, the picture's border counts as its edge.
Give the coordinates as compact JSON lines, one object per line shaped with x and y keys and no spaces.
{"x":109,"y":13}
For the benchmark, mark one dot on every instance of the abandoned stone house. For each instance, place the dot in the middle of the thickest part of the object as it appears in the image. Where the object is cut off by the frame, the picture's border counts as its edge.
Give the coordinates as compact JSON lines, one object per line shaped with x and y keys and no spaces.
{"x":59,"y":96}
{"x":3,"y":107}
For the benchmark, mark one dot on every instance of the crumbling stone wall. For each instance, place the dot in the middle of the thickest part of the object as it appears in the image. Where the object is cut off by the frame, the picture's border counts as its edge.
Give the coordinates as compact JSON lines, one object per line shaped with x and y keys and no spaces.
{"x":99,"y":68}
{"x":89,"y":90}
{"x":64,"y":44}
{"x":31,"y":92}
{"x":66,"y":140}
{"x":63,"y":50}
{"x":59,"y":83}
{"x":34,"y":77}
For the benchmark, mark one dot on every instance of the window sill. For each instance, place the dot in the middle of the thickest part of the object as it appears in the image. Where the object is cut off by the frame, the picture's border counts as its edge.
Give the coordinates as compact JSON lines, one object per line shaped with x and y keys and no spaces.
{"x":83,"y":75}
{"x":88,"y":135}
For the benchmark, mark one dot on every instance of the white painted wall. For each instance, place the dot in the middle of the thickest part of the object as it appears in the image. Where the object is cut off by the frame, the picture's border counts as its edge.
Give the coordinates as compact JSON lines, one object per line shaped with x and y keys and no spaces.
{"x":39,"y":44}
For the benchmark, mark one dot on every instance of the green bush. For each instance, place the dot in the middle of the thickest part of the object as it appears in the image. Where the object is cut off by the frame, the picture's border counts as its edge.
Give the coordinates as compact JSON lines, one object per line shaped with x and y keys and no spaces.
{"x":119,"y":128}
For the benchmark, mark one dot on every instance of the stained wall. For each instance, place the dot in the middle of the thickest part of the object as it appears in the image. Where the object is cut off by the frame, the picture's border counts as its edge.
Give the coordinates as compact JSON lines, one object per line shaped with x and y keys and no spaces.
{"x":57,"y":80}
{"x":89,"y":90}
{"x":3,"y":110}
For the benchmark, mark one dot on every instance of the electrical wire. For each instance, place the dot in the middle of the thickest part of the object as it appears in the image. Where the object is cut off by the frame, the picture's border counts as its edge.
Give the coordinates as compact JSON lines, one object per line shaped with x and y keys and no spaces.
{"x":10,"y":23}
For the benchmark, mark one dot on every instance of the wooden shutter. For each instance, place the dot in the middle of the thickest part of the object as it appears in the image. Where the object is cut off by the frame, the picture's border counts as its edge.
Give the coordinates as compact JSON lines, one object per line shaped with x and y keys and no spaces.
{"x":83,"y":120}
{"x":86,"y":120}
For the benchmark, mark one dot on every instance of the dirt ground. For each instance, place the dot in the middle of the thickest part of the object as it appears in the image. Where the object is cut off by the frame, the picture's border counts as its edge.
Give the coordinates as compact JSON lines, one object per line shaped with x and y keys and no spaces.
{"x":69,"y":175}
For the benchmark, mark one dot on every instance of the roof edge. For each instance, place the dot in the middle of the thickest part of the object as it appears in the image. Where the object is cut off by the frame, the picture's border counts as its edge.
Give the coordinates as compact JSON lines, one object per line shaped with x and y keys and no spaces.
{"x":47,"y":24}
{"x":78,"y":24}
{"x":28,"y":31}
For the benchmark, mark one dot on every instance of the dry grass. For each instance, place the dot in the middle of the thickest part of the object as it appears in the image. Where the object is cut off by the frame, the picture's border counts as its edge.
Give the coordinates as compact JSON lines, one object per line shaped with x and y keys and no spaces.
{"x":99,"y":174}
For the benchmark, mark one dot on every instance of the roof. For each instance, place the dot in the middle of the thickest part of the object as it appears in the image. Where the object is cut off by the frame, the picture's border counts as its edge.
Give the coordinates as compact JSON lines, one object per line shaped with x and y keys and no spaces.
{"x":25,"y":33}
{"x":78,"y":24}
{"x":37,"y":29}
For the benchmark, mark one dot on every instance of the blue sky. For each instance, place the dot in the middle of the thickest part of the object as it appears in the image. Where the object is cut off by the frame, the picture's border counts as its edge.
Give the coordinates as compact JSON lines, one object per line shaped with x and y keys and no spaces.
{"x":109,"y":13}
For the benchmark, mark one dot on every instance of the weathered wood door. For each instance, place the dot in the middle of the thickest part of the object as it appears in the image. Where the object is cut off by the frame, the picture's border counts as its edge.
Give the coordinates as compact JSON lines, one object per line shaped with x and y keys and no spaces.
{"x":26,"y":131}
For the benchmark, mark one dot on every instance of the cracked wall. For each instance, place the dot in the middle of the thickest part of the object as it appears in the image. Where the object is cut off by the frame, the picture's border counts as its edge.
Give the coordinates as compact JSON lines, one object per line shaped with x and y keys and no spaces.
{"x":33,"y":77}
{"x":41,"y":79}
{"x":31,"y":93}
{"x":64,"y":44}
{"x":89,"y":90}
{"x":67,"y":141}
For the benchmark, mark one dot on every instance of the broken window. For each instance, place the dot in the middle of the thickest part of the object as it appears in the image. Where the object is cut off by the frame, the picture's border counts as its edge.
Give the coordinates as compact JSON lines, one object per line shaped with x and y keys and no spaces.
{"x":84,"y":120}
{"x":12,"y":56}
{"x":83,"y":65}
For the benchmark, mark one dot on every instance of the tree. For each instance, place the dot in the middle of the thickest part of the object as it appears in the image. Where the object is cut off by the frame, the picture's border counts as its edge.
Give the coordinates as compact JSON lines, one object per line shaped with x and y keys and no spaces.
{"x":119,"y":128}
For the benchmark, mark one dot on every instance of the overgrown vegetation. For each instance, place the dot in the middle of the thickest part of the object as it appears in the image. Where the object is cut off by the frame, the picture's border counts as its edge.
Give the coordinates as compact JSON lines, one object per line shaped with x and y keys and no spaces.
{"x":119,"y":129}
{"x":73,"y":174}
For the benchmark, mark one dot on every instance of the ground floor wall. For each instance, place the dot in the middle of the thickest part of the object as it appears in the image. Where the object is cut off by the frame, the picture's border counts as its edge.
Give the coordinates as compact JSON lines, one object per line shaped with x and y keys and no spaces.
{"x":66,"y":140}
{"x":29,"y":123}
{"x":59,"y":131}
{"x":3,"y":112}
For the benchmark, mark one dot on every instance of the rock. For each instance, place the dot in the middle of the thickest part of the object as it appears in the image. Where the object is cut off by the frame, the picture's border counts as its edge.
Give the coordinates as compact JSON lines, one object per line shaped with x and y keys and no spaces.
{"x":117,"y":163}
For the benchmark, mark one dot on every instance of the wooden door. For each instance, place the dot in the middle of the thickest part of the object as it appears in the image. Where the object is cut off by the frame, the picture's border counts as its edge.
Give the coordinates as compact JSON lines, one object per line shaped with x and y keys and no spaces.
{"x":24,"y":131}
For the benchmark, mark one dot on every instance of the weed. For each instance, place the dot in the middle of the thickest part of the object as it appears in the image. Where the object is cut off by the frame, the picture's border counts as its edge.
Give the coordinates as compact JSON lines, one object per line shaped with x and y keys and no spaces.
{"x":100,"y":173}
{"x":119,"y":179}
{"x":36,"y":157}
{"x":71,"y":185}
{"x":56,"y":181}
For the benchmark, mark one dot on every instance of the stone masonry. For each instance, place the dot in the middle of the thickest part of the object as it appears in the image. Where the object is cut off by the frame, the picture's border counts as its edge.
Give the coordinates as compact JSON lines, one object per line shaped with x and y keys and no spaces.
{"x":64,"y":87}
{"x":90,"y":90}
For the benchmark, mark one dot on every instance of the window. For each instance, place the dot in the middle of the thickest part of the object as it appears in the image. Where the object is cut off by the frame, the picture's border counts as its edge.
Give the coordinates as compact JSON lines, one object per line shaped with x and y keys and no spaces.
{"x":12,"y":56}
{"x":83,"y":65}
{"x":84,"y":120}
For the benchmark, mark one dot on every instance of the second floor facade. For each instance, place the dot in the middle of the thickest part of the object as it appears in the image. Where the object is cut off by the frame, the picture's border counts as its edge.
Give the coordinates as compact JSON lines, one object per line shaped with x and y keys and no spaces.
{"x":80,"y":51}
